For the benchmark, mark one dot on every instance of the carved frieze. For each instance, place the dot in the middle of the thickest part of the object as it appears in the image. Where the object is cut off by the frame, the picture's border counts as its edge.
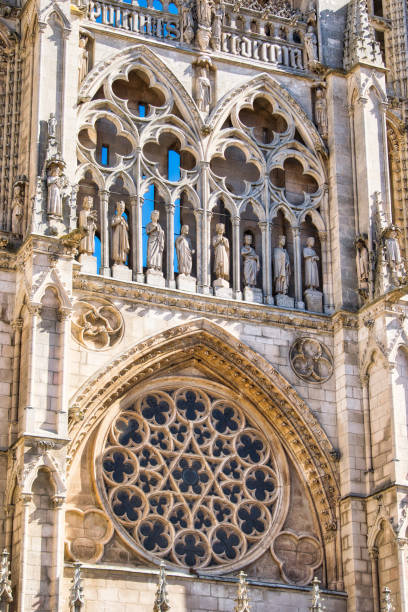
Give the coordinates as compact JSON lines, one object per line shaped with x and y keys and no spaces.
{"x":311,"y":360}
{"x":96,"y":324}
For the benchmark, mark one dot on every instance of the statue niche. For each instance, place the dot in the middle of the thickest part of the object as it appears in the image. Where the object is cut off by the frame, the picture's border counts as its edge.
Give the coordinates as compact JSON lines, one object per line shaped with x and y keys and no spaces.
{"x":185,"y":253}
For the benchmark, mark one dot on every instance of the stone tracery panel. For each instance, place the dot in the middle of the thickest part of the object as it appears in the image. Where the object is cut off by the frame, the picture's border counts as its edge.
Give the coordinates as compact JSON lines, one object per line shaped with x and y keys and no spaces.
{"x":189,"y":476}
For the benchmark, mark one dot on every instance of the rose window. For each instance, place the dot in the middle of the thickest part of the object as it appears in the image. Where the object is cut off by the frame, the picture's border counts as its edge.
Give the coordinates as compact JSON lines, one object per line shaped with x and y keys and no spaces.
{"x":189,"y":477}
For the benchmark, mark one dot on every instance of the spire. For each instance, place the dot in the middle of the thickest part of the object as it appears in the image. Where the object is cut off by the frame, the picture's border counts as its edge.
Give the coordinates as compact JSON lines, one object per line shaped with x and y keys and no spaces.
{"x":76,"y":600}
{"x":161,"y":602}
{"x":242,"y":600}
{"x":317,"y":600}
{"x":387,"y":607}
{"x":5,"y":582}
{"x":360,"y":45}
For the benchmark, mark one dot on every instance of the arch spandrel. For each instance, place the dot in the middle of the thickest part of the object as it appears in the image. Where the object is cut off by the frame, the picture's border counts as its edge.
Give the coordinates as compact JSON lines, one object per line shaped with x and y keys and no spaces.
{"x":219,"y":356}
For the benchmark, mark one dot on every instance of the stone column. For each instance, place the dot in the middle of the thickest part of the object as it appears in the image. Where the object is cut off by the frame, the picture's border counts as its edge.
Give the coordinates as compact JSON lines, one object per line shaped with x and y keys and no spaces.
{"x":26,"y":499}
{"x":64,"y":317}
{"x":204,"y":281}
{"x":236,"y":259}
{"x":373,"y":554}
{"x":133,"y":231}
{"x":29,"y":414}
{"x":104,"y":217}
{"x":170,"y":208}
{"x":266,"y":262}
{"x":58,"y":552}
{"x":402,"y":565}
{"x":367,"y":434}
{"x":17,"y":326}
{"x":137,"y":207}
{"x":297,"y":264}
{"x":328,"y":306}
{"x":199,"y":215}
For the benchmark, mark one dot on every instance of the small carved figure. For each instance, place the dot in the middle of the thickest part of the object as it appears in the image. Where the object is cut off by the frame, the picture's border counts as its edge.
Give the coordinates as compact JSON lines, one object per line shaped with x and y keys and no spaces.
{"x":321,"y":112}
{"x":120,"y":238}
{"x":87,"y":221}
{"x":251,"y":261}
{"x":393,"y":254}
{"x":188,"y":23}
{"x":203,"y":88}
{"x":17,"y":211}
{"x":281,"y":267}
{"x":155,"y":242}
{"x":83,"y":59}
{"x":55,"y":184}
{"x":184,"y":252}
{"x":363,"y":266}
{"x":311,"y":269}
{"x":52,"y":126}
{"x":311,"y":48}
{"x":221,"y":253}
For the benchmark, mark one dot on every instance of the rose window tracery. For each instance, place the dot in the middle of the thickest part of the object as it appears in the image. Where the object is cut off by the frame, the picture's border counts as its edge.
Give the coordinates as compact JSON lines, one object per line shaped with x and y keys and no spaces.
{"x":189,"y":476}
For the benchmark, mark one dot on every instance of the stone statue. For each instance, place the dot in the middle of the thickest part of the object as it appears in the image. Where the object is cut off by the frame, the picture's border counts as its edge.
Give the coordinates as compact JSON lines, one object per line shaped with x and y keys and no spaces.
{"x":155,"y":243}
{"x":251,"y":262}
{"x":17,"y":211}
{"x":311,"y":270}
{"x":52,"y":127}
{"x":188,"y":23}
{"x":217,"y":26}
{"x":83,"y":59}
{"x":203,"y":88}
{"x":311,"y":48}
{"x":221,"y":253}
{"x":184,"y":252}
{"x":87,"y":221}
{"x":393,"y":254}
{"x":321,"y":112}
{"x":120,"y":238}
{"x":55,"y":183}
{"x":363,"y":265}
{"x":281,"y":267}
{"x":204,"y":13}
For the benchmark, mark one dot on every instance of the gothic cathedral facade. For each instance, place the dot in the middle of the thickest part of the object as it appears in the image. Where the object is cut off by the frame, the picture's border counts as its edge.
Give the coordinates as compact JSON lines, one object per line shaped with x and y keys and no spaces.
{"x":203,"y":305}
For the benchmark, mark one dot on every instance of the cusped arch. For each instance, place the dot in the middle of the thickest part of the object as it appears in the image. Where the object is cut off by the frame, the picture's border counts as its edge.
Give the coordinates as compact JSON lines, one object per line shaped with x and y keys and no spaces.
{"x":138,"y":55}
{"x":128,"y":183}
{"x":265,"y":83}
{"x":218,"y":354}
{"x":95,"y":173}
{"x":257,"y":207}
{"x":229,"y":202}
{"x":316,"y":219}
{"x":286,"y":212}
{"x":191,"y":194}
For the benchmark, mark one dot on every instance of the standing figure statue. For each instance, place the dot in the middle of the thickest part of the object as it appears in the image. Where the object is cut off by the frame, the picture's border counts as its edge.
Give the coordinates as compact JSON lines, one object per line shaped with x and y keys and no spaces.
{"x":52,"y":127}
{"x":87,"y":222}
{"x":221,"y":253}
{"x":17,"y":207}
{"x":321,"y":112}
{"x":120,"y":237}
{"x":188,"y":22}
{"x":281,"y":267}
{"x":184,"y":252}
{"x":393,"y":254}
{"x":155,"y":243}
{"x":82,"y":59}
{"x":312,"y":57}
{"x":203,"y":88}
{"x":55,"y":183}
{"x":363,"y":266}
{"x":311,"y":269}
{"x":251,"y":261}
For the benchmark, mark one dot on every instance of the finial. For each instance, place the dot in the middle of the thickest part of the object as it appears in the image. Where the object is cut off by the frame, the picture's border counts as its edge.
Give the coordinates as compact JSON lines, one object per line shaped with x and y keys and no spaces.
{"x":317,"y":600}
{"x":161,"y":601}
{"x":76,"y":600}
{"x":387,"y":607}
{"x":359,"y":43}
{"x":6,"y":594}
{"x":242,"y":600}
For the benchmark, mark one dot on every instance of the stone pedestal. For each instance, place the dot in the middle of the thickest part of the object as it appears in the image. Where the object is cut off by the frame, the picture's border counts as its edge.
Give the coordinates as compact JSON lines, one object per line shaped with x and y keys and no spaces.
{"x":252,"y":294}
{"x":155,"y":278}
{"x":314,"y":300}
{"x":89,"y":264}
{"x":284,"y":300}
{"x":121,"y":272}
{"x":186,"y":283}
{"x":222,"y":288}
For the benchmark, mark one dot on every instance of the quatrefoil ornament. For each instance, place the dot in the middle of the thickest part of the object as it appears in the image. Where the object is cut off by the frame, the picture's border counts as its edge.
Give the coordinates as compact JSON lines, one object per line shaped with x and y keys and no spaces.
{"x":96,"y":325}
{"x":311,"y":360}
{"x":189,"y":477}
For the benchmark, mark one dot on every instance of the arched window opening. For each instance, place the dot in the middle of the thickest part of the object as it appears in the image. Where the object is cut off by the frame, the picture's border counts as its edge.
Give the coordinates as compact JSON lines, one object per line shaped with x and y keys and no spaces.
{"x":378,"y":8}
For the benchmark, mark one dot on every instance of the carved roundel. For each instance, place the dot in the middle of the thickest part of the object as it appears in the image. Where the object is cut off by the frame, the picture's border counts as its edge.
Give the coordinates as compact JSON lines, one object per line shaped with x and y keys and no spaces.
{"x":311,"y":360}
{"x":96,"y":324}
{"x":191,"y":476}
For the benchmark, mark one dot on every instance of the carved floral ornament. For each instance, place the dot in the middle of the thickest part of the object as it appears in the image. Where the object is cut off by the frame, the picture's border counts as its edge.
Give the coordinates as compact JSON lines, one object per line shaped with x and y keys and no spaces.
{"x":96,"y":324}
{"x":190,"y":477}
{"x":311,"y":360}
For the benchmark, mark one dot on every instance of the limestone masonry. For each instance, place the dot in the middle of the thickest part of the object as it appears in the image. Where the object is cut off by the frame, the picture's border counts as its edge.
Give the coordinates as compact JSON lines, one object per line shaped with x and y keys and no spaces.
{"x":203,"y":305}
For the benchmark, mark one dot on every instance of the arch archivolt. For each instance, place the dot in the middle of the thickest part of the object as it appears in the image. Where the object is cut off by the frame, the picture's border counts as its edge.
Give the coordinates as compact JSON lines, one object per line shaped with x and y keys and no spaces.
{"x":217,"y":354}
